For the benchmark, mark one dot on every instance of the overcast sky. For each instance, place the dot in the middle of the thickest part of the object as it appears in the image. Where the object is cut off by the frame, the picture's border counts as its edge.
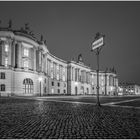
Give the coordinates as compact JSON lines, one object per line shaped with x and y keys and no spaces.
{"x":70,"y":27}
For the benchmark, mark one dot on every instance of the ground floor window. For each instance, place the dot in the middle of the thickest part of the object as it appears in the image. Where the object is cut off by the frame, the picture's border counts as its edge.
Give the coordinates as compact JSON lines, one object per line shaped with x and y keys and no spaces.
{"x":87,"y":91}
{"x":52,"y":90}
{"x":64,"y":91}
{"x":2,"y":87}
{"x":82,"y":90}
{"x":76,"y":90}
{"x":58,"y":90}
{"x":2,"y":76}
{"x":45,"y":90}
{"x":28,"y":85}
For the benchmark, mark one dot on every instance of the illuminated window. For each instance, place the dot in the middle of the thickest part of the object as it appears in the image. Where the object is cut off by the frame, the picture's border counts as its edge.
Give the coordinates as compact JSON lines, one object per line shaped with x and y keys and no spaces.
{"x":52,"y":90}
{"x":25,"y":64}
{"x":6,"y":61}
{"x":102,"y":77}
{"x":63,"y":69}
{"x":57,"y":77}
{"x":28,"y":85}
{"x":102,"y":83}
{"x":51,"y":74}
{"x":63,"y":78}
{"x":52,"y":65}
{"x":57,"y":67}
{"x":6,"y":47}
{"x":26,"y":52}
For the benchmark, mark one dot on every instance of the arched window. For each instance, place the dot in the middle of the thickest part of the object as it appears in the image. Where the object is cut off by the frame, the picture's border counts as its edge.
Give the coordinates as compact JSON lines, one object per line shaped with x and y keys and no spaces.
{"x":28,"y":86}
{"x":82,"y":90}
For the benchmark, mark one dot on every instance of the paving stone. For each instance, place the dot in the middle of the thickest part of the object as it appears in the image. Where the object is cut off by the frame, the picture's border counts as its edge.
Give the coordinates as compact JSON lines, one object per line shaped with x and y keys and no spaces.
{"x":32,"y":119}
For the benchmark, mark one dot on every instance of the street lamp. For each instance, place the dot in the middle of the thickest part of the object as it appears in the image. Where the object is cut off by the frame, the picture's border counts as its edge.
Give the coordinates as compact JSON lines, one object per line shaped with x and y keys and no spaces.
{"x":106,"y":81}
{"x":40,"y":79}
{"x":96,"y":47}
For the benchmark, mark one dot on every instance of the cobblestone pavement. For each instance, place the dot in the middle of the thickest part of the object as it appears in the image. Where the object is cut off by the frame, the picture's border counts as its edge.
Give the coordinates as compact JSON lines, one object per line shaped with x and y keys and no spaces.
{"x":135,"y":103}
{"x":22,"y":118}
{"x":93,"y":99}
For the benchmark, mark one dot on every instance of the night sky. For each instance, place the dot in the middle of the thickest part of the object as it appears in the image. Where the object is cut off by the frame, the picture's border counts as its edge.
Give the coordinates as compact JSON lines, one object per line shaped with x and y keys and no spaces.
{"x":70,"y":27}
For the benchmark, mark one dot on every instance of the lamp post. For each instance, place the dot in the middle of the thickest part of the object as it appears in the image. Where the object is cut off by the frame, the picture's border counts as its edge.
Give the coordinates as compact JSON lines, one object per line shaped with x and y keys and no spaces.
{"x":106,"y":81}
{"x":96,"y":47}
{"x":40,"y":79}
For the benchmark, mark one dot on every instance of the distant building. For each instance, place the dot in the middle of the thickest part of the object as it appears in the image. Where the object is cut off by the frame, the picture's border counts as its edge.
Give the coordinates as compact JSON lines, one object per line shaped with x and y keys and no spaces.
{"x":129,"y":89}
{"x":27,"y":68}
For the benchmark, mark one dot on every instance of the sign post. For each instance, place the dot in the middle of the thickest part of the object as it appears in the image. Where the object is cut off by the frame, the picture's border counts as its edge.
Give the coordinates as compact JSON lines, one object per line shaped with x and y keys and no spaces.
{"x":96,"y":46}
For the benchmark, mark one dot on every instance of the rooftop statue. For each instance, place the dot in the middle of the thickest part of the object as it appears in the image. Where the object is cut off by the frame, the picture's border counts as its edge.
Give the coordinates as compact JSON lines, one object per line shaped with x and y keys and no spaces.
{"x":80,"y":59}
{"x":10,"y":24}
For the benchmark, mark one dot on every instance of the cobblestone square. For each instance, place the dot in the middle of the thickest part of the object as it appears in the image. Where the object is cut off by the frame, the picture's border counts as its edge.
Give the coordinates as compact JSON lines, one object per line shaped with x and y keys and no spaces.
{"x":30,"y":118}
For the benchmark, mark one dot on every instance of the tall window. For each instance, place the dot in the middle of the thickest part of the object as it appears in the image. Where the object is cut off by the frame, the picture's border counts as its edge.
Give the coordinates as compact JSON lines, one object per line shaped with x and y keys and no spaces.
{"x":57,"y":76}
{"x":6,"y":47}
{"x":26,"y":64}
{"x":28,"y":86}
{"x":52,"y":83}
{"x":60,"y":70}
{"x":54,"y":69}
{"x":2,"y":76}
{"x":64,"y":74}
{"x":26,"y":52}
{"x":48,"y":67}
{"x":2,"y":87}
{"x":58,"y":84}
{"x":52,"y":90}
{"x":6,"y":61}
{"x":64,"y":78}
{"x":52,"y":74}
{"x":58,"y":90}
{"x":92,"y":79}
{"x":76,"y":74}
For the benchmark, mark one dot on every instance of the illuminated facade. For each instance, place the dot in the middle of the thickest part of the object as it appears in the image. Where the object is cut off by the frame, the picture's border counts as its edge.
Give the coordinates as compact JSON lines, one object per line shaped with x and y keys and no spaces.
{"x":128,"y":89}
{"x":27,"y":68}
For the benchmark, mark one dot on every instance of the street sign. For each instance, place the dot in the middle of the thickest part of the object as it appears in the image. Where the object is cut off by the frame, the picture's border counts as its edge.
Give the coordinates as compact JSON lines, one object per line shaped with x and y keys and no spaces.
{"x":98,"y":43}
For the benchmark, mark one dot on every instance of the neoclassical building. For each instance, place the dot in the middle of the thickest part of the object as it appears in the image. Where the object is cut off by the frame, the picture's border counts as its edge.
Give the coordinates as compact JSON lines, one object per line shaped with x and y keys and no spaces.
{"x":27,"y":68}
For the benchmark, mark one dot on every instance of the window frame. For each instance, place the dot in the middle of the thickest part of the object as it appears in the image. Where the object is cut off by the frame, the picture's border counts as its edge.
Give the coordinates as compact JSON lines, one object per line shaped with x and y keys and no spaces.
{"x":2,"y":75}
{"x":26,"y":52}
{"x":2,"y":87}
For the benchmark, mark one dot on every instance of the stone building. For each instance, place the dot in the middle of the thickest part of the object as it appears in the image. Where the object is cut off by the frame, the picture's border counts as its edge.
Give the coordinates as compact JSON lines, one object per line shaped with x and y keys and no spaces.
{"x":129,"y":89}
{"x":27,"y":68}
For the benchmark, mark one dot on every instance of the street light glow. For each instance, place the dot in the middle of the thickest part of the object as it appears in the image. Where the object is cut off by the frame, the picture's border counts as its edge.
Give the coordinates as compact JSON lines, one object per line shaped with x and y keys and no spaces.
{"x":76,"y":83}
{"x":40,"y":79}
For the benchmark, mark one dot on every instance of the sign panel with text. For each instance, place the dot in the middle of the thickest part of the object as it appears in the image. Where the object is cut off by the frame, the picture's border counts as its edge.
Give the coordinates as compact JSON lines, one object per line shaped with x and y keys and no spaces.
{"x":97,"y":43}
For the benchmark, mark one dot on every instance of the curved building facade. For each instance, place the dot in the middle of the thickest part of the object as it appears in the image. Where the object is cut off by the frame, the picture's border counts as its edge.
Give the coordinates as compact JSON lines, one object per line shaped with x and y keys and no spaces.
{"x":27,"y":68}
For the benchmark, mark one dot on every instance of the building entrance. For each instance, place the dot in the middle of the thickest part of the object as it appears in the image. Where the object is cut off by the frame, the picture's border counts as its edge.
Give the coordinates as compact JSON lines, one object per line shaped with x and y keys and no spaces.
{"x":28,"y":86}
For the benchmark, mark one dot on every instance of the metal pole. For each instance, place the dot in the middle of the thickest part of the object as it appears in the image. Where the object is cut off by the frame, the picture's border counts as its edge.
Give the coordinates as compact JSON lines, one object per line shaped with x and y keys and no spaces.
{"x":40,"y":88}
{"x":98,"y":102}
{"x":105,"y":83}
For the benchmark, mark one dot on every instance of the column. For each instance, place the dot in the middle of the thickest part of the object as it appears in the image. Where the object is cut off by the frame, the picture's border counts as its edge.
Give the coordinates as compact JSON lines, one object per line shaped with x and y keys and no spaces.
{"x":34,"y":52}
{"x":19,"y":56}
{"x":13,"y":53}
